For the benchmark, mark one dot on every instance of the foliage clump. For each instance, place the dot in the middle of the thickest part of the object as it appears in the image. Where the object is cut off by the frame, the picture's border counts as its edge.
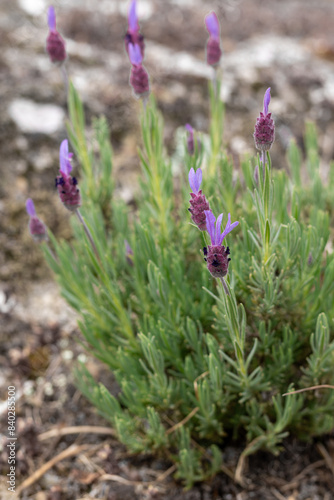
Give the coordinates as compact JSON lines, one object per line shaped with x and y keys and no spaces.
{"x":201,"y":362}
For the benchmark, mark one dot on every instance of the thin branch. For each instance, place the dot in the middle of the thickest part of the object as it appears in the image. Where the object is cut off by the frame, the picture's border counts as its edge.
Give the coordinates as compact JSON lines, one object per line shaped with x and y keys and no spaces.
{"x":314,"y":387}
{"x":80,"y":429}
{"x":184,"y":421}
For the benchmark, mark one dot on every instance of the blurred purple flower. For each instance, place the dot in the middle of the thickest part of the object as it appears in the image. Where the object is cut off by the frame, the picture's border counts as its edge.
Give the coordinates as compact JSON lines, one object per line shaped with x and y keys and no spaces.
{"x":55,"y":45}
{"x":198,"y":201}
{"x":37,"y":228}
{"x":264,"y":131}
{"x":190,"y":139}
{"x":216,"y":256}
{"x":139,"y":79}
{"x":132,"y":35}
{"x":128,"y":253}
{"x":67,"y":185}
{"x":213,"y":50}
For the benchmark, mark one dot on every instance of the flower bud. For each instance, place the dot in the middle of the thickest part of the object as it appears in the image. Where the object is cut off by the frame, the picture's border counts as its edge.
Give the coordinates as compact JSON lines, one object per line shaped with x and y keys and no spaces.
{"x":37,"y":228}
{"x":139,"y":77}
{"x":264,"y":132}
{"x":216,"y":255}
{"x":190,"y":139}
{"x":198,"y":201}
{"x":67,"y":185}
{"x":68,"y":191}
{"x":217,"y":259}
{"x":213,"y":50}
{"x":55,"y":45}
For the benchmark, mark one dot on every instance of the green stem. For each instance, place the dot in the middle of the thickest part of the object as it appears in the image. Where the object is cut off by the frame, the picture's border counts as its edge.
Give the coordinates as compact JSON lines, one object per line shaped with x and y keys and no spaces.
{"x":224,"y":286}
{"x":88,"y":233}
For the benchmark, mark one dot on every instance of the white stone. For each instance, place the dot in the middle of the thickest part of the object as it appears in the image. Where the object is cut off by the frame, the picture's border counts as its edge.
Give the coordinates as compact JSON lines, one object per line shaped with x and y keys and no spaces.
{"x":33,"y":7}
{"x":31,"y":117}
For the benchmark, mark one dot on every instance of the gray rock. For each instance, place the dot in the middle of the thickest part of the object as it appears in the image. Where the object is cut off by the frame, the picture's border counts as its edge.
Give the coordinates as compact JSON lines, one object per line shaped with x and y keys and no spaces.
{"x":31,"y":117}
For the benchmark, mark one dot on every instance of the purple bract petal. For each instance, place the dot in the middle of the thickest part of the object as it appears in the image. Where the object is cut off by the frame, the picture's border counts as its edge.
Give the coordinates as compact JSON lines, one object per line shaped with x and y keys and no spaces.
{"x":189,"y":128}
{"x":65,"y":158}
{"x":128,"y":249}
{"x":30,"y":207}
{"x":210,"y":225}
{"x":195,"y":179}
{"x":217,"y":233}
{"x":132,"y":17}
{"x":135,"y":54}
{"x":212,"y":24}
{"x":266,"y":101}
{"x":229,"y":227}
{"x":51,"y":18}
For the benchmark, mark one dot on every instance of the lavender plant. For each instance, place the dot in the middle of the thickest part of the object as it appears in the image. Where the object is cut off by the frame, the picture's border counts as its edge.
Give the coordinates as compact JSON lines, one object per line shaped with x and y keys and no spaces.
{"x":202,"y":348}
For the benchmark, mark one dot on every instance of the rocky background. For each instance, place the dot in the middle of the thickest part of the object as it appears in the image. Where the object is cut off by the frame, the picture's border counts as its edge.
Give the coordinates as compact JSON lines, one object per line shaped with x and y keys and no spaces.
{"x":285,"y":44}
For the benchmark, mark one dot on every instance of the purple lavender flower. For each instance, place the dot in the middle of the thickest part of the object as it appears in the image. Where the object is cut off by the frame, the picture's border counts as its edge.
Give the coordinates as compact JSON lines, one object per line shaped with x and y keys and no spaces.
{"x":132,"y":35}
{"x":128,"y":253}
{"x":198,"y":201}
{"x":67,"y":185}
{"x":213,"y":50}
{"x":55,"y":45}
{"x":36,"y":227}
{"x":264,"y":131}
{"x":139,"y":77}
{"x":216,"y":255}
{"x":190,"y":139}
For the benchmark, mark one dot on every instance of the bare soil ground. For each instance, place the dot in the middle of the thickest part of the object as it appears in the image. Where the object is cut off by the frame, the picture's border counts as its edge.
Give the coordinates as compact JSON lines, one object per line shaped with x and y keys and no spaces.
{"x":288,"y":45}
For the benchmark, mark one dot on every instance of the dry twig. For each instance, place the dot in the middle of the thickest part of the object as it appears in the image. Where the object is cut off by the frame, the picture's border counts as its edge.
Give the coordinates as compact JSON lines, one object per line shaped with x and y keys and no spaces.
{"x":328,"y":459}
{"x":313,"y":388}
{"x":80,"y":429}
{"x":296,"y":480}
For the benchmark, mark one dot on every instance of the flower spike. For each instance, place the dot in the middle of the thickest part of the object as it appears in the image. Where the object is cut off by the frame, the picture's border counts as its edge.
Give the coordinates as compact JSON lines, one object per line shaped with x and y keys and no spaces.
{"x":198,"y":201}
{"x":128,"y":253}
{"x":217,"y":256}
{"x":37,"y":228}
{"x":67,"y":185}
{"x":139,"y":80}
{"x":264,"y":132}
{"x":213,"y":50}
{"x":55,"y":45}
{"x":190,"y":139}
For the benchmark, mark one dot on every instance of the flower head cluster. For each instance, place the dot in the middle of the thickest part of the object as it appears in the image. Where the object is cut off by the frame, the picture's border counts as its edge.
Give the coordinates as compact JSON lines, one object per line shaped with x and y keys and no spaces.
{"x":55,"y":45}
{"x":128,"y":253}
{"x":216,"y":255}
{"x":264,"y":132}
{"x":139,"y":77}
{"x":67,"y":185}
{"x":190,"y":139}
{"x":198,"y":201}
{"x":133,"y":36}
{"x":37,"y":228}
{"x":134,"y":44}
{"x":213,"y":50}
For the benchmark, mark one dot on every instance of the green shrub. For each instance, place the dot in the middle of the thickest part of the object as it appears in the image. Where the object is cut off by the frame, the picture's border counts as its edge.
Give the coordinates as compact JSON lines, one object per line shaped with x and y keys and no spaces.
{"x":182,"y":350}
